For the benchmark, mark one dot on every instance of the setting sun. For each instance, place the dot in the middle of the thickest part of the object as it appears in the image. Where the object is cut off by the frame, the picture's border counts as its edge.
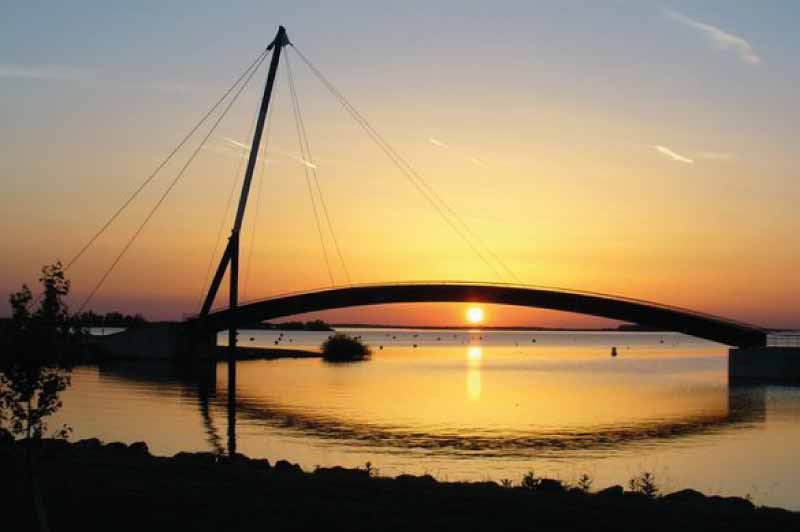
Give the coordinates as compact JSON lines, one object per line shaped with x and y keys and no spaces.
{"x":474,"y":314}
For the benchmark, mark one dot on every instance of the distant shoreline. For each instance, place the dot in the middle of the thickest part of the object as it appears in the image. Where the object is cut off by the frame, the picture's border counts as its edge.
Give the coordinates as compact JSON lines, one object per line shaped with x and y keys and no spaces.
{"x":621,"y":328}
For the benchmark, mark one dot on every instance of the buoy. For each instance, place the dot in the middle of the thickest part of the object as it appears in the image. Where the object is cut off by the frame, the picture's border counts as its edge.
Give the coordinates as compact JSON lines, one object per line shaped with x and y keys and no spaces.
{"x":613,"y":351}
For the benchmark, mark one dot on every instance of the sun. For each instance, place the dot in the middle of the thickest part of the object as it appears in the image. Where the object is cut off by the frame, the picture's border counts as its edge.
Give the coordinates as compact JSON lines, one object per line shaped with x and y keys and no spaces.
{"x":474,"y":314}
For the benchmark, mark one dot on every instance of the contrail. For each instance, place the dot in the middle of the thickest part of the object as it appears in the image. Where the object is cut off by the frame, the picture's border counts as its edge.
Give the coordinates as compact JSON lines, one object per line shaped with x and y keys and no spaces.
{"x":274,"y":148}
{"x":672,"y":155}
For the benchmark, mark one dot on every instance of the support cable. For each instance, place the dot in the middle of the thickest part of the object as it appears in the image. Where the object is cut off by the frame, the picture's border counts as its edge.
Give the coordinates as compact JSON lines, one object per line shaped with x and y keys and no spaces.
{"x":316,"y":180}
{"x":304,"y":156}
{"x":166,"y":160}
{"x":433,"y":198}
{"x":171,"y":185}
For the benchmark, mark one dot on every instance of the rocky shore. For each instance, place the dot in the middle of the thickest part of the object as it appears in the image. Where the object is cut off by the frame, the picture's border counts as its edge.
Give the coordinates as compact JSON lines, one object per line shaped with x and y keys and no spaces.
{"x":90,"y":486}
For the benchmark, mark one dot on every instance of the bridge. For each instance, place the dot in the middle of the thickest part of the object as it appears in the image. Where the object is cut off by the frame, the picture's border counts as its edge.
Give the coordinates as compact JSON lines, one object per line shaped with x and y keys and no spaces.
{"x":646,"y":313}
{"x":753,"y":355}
{"x":750,"y":358}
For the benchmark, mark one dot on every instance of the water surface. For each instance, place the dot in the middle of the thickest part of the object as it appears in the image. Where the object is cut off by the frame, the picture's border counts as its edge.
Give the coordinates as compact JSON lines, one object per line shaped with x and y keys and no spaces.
{"x":471,"y":405}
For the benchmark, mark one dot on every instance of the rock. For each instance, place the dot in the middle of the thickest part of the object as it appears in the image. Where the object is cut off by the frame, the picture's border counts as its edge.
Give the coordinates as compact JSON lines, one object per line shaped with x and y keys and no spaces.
{"x":550,"y":485}
{"x":284,"y":467}
{"x":139,"y":448}
{"x":239,"y":458}
{"x":611,"y":491}
{"x":6,"y":437}
{"x":734,"y":504}
{"x":195,"y":458}
{"x":685,"y":496}
{"x":424,"y":479}
{"x":341,"y":473}
{"x":261,"y":463}
{"x":91,"y":443}
{"x":116,"y":447}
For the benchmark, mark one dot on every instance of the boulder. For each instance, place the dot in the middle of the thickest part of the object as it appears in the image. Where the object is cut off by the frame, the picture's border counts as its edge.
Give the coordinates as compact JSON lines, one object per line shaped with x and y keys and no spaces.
{"x":685,"y":496}
{"x":424,"y":479}
{"x":550,"y":485}
{"x":611,"y":491}
{"x":733,"y":504}
{"x":116,"y":447}
{"x":341,"y":473}
{"x":284,"y":467}
{"x":195,"y":458}
{"x":139,"y":448}
{"x":91,"y":443}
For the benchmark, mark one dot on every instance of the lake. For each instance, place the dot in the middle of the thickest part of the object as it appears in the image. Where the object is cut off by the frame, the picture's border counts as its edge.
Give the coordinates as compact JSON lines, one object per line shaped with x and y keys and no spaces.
{"x":470,"y":405}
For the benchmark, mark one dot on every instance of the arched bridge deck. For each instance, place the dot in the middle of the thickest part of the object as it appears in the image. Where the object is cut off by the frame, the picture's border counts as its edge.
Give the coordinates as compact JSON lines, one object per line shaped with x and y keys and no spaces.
{"x":646,"y":313}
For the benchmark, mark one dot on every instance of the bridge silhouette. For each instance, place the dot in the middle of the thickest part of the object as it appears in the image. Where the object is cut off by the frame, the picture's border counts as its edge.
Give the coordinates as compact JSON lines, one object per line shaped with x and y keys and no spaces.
{"x":646,"y":313}
{"x":201,"y":329}
{"x":197,"y":334}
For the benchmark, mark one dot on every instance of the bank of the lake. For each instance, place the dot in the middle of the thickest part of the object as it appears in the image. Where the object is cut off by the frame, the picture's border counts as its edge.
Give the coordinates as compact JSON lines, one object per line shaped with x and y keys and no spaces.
{"x":89,"y":486}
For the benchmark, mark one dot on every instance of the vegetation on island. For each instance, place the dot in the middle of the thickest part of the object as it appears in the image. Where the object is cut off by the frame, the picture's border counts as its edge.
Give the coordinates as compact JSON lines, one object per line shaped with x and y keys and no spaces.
{"x":341,"y":347}
{"x":313,"y":325}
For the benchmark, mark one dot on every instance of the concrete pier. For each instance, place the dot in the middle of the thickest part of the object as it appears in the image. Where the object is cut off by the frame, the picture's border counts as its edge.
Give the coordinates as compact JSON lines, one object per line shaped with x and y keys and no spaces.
{"x":160,"y":342}
{"x":766,"y":364}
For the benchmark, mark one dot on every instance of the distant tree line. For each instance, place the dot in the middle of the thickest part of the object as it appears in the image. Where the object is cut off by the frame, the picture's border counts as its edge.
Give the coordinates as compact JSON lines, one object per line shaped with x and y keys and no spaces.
{"x":314,"y":325}
{"x":90,"y":318}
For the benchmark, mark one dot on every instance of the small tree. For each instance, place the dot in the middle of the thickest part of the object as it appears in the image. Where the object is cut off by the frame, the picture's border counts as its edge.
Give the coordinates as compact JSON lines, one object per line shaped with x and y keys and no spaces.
{"x":645,"y":484}
{"x":36,"y":347}
{"x":343,"y":348}
{"x":34,"y":370}
{"x":585,"y":483}
{"x":530,"y":481}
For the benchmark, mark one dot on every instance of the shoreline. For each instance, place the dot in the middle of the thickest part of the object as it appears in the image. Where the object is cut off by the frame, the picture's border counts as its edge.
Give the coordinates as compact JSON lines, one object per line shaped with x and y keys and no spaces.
{"x":87,"y":485}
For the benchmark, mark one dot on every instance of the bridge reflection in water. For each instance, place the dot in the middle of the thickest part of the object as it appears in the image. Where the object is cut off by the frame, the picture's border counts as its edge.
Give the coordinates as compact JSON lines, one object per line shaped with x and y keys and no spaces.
{"x":593,"y":422}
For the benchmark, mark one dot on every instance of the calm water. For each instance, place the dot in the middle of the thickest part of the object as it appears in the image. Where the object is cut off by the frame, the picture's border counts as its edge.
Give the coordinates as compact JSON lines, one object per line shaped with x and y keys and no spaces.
{"x":471,"y":405}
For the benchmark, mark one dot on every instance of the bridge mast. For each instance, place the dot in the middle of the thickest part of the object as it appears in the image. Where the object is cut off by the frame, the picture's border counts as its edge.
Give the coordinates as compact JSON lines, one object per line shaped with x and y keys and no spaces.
{"x":231,"y":255}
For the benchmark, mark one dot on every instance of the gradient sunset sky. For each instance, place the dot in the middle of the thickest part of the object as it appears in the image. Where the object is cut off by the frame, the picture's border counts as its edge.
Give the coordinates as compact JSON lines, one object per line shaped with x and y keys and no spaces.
{"x":646,"y":149}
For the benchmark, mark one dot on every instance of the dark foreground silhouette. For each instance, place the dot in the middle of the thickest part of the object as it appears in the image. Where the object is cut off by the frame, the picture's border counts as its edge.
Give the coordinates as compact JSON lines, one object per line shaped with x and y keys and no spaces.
{"x":88,"y":486}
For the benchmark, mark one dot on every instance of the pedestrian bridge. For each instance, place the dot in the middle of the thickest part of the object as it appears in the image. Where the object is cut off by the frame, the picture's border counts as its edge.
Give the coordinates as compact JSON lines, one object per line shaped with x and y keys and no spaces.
{"x":645,"y":313}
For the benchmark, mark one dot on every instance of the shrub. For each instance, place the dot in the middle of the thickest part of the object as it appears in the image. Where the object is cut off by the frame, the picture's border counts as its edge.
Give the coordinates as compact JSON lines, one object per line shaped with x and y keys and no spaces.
{"x":530,"y":481}
{"x":645,"y":484}
{"x":343,"y":348}
{"x":585,"y":483}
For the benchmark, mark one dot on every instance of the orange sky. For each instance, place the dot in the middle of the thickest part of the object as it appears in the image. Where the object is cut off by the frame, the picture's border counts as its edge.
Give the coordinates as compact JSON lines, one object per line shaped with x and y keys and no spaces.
{"x":650,"y":179}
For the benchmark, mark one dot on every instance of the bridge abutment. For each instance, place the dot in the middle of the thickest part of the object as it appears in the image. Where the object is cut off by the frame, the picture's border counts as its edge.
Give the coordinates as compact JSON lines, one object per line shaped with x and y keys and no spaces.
{"x":160,"y":342}
{"x":776,"y":364}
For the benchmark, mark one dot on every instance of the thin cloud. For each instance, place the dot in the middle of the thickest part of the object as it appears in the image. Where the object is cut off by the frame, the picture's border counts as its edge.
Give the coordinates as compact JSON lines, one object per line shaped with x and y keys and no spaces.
{"x":462,"y":151}
{"x":721,"y":39}
{"x":55,"y":72}
{"x":68,"y":73}
{"x":275,"y":149}
{"x":672,"y":155}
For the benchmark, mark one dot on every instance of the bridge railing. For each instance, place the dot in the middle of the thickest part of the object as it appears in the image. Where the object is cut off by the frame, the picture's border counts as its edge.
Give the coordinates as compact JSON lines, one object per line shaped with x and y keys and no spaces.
{"x":783,"y":339}
{"x":500,"y":284}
